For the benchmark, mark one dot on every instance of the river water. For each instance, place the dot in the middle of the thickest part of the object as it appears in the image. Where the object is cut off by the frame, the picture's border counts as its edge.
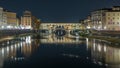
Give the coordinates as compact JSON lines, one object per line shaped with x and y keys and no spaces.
{"x":58,"y":52}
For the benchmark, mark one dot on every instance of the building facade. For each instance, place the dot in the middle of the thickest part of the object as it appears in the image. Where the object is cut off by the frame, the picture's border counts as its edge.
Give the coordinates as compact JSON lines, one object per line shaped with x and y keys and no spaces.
{"x":53,"y":26}
{"x":11,"y":19}
{"x":106,"y":19}
{"x":98,"y":19}
{"x":26,"y":20}
{"x":87,"y":23}
{"x":113,"y":19}
{"x":3,"y":19}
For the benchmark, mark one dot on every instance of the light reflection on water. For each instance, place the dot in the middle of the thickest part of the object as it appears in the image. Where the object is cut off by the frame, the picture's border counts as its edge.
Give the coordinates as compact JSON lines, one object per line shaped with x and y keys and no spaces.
{"x":18,"y":51}
{"x":104,"y":54}
{"x":56,"y":39}
{"x":92,"y":51}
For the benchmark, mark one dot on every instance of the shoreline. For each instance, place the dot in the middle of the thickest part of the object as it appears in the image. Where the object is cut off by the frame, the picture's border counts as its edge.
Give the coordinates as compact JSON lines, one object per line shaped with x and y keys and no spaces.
{"x":6,"y":38}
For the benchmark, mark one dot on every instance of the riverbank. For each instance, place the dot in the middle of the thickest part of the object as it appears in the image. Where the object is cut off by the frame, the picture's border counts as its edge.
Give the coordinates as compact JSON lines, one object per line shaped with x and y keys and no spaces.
{"x":13,"y":37}
{"x":6,"y":38}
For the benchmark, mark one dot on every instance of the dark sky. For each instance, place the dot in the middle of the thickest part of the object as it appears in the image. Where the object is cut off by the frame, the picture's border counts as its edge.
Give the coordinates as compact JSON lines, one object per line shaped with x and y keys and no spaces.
{"x":58,"y":10}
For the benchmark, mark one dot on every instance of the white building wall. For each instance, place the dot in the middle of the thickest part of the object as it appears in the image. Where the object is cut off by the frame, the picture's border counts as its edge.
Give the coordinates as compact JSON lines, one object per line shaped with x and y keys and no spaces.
{"x":98,"y":19}
{"x":3,"y":19}
{"x":113,"y":21}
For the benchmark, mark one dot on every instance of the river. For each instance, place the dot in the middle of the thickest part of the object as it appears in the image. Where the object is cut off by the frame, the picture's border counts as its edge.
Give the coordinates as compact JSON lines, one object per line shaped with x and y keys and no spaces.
{"x":58,"y":52}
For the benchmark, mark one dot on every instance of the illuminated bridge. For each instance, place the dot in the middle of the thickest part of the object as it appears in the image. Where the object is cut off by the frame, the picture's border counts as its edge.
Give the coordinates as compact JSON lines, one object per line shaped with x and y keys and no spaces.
{"x":59,"y":28}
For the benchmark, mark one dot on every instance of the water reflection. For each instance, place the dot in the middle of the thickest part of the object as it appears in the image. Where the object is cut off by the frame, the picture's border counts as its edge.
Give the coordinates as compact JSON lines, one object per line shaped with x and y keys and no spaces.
{"x":18,"y":49}
{"x":58,"y":39}
{"x":94,"y":52}
{"x":71,"y":55}
{"x":102,"y":53}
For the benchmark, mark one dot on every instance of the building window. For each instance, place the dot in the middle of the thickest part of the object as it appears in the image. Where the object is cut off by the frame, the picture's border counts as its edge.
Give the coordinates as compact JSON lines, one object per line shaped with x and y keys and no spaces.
{"x":113,"y":22}
{"x":113,"y":18}
{"x":108,"y":17}
{"x":117,"y":22}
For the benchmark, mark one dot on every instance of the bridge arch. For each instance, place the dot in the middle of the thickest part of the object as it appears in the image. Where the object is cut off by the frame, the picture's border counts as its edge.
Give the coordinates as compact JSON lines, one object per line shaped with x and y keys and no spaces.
{"x":60,"y":27}
{"x":60,"y":30}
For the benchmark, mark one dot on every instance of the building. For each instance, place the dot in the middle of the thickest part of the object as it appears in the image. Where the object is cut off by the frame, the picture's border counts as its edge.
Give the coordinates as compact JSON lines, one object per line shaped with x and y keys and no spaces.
{"x":82,"y":24}
{"x":3,"y":19}
{"x":87,"y":23}
{"x":55,"y":25}
{"x":106,"y":19}
{"x":98,"y":19}
{"x":113,"y":19}
{"x":26,"y":20}
{"x":11,"y":19}
{"x":51,"y":27}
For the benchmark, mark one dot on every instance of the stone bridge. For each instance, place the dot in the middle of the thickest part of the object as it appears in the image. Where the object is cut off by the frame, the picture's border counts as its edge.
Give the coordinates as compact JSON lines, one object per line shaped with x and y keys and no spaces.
{"x":60,"y":28}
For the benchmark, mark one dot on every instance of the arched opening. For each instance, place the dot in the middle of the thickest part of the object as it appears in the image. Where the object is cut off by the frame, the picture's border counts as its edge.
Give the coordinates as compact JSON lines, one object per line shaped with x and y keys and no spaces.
{"x":60,"y":31}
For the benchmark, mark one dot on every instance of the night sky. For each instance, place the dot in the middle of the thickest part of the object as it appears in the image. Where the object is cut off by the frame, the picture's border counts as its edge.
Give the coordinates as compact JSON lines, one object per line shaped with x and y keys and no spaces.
{"x":58,"y":10}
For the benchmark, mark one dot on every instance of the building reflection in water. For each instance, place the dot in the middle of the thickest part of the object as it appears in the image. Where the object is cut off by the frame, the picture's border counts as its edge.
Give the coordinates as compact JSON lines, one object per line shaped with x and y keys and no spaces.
{"x":63,"y":39}
{"x":103,"y":53}
{"x":18,"y":51}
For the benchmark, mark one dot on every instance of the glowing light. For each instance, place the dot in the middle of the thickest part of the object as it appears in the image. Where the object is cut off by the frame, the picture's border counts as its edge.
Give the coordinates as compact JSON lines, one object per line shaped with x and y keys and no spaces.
{"x":8,"y":42}
{"x":105,"y":27}
{"x":9,"y":27}
{"x":15,"y":46}
{"x":28,"y":27}
{"x":28,"y":39}
{"x":99,"y":27}
{"x":87,"y":43}
{"x":94,"y":45}
{"x":2,"y":27}
{"x":21,"y":44}
{"x":7,"y":49}
{"x":105,"y":49}
{"x":88,"y":27}
{"x":99,"y":48}
{"x":18,"y":45}
{"x":22,"y":27}
{"x":11,"y":47}
{"x":2,"y":51}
